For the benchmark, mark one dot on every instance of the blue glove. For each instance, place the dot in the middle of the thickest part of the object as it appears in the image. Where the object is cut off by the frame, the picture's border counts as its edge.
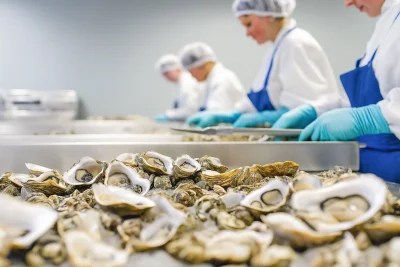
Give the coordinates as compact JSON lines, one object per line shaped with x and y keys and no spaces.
{"x":346,"y":124}
{"x":207,"y":119}
{"x":297,"y":118}
{"x":254,"y":119}
{"x":161,"y":118}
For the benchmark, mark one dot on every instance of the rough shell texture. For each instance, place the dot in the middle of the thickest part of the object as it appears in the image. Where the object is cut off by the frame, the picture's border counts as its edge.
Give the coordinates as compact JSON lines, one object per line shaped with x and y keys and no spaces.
{"x":185,"y":166}
{"x":153,"y":162}
{"x":187,"y":194}
{"x":86,"y":172}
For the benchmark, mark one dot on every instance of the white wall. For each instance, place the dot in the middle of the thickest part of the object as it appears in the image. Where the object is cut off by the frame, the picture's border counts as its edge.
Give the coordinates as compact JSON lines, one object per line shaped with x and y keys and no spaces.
{"x":106,"y":49}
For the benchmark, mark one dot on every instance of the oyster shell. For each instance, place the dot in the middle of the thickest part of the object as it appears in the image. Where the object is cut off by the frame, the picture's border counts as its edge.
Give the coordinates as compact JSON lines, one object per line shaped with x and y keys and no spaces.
{"x":163,"y":182}
{"x":268,"y":198}
{"x":153,"y":162}
{"x":348,"y":203}
{"x":85,"y":251}
{"x":207,"y":205}
{"x":235,"y":177}
{"x":118,"y":174}
{"x":86,"y":172}
{"x":27,"y":222}
{"x":212,"y":164}
{"x":243,"y":214}
{"x":120,"y":200}
{"x":294,"y":232}
{"x":37,"y":170}
{"x":287,"y":168}
{"x":219,"y":190}
{"x":165,"y":222}
{"x":129,"y":159}
{"x":48,"y":183}
{"x":187,"y":194}
{"x":185,"y":166}
{"x":384,"y":229}
{"x":305,"y":182}
{"x":274,"y":255}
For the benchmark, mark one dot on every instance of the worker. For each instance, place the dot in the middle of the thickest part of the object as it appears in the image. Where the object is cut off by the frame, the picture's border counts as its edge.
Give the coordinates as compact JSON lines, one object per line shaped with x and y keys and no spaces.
{"x":373,"y":88}
{"x":188,"y":101}
{"x":295,"y":71}
{"x":222,"y":88}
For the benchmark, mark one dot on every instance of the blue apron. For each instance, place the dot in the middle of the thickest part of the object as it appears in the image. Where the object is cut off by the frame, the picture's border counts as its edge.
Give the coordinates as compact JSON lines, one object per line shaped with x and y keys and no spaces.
{"x":176,"y":103}
{"x":261,"y":99}
{"x":204,"y":105}
{"x":382,"y":154}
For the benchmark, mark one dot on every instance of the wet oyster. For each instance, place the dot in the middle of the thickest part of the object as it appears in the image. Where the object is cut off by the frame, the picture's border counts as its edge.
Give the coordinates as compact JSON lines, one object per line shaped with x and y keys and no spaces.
{"x":274,"y":255}
{"x":153,"y":162}
{"x":118,"y":174}
{"x":348,"y":203}
{"x":86,"y":172}
{"x":243,"y":214}
{"x":268,"y":198}
{"x":187,"y":194}
{"x":84,"y":251}
{"x":384,"y":229}
{"x":37,"y":170}
{"x":235,"y":177}
{"x":208,"y":205}
{"x":48,"y":183}
{"x":27,"y":224}
{"x":120,"y":200}
{"x":129,"y":159}
{"x":163,"y":182}
{"x":212,"y":164}
{"x":226,"y":221}
{"x":287,"y":168}
{"x":219,"y":190}
{"x":292,"y":231}
{"x":185,"y":166}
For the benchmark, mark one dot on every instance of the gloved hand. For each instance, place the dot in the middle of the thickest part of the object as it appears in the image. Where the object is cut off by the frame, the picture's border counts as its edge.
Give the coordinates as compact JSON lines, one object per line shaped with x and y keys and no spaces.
{"x":297,"y":118}
{"x":207,"y":119}
{"x":254,"y":119}
{"x":161,"y":118}
{"x":346,"y":124}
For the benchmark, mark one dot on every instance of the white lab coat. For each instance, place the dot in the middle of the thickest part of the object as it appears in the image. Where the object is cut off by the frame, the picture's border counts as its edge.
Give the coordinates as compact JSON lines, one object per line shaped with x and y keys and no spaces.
{"x":301,"y":74}
{"x":222,"y":89}
{"x":387,"y":62}
{"x":189,"y":98}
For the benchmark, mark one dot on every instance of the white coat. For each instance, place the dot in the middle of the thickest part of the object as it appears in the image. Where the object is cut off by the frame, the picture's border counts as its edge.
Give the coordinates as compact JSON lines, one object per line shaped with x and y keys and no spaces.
{"x":301,"y":74}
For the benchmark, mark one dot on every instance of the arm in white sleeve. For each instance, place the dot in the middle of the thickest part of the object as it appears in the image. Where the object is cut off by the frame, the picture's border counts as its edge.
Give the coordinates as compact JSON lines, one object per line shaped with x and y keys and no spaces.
{"x":307,"y":78}
{"x":191,"y":105}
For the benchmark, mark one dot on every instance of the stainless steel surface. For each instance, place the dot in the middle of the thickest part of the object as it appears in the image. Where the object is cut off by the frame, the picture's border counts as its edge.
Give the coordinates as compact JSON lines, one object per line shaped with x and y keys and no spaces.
{"x":89,"y":138}
{"x":312,"y":156}
{"x":394,"y":188}
{"x":81,"y":127}
{"x":251,"y":131}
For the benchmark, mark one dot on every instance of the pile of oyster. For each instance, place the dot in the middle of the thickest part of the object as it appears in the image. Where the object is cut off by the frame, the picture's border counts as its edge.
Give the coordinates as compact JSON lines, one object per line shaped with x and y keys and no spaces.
{"x":99,"y":213}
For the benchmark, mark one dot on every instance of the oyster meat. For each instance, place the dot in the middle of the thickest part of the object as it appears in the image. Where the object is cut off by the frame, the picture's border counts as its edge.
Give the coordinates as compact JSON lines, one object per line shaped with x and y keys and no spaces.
{"x":86,"y":172}
{"x":153,"y":162}
{"x":185,"y":166}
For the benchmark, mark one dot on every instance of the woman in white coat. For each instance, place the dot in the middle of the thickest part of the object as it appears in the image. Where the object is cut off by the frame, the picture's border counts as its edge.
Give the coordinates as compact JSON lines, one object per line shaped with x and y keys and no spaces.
{"x":187,"y":102}
{"x":373,"y":88}
{"x":295,"y":70}
{"x":221,"y":87}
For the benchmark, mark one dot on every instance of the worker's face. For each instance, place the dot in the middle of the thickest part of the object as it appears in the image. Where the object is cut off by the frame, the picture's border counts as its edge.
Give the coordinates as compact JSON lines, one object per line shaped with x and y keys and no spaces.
{"x":199,"y":73}
{"x":372,"y":7}
{"x":173,"y":75}
{"x":258,"y":28}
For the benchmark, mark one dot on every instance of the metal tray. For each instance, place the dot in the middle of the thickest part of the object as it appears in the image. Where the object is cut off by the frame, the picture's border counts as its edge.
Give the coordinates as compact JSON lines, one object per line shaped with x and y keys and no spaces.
{"x":312,"y":156}
{"x":223,"y":130}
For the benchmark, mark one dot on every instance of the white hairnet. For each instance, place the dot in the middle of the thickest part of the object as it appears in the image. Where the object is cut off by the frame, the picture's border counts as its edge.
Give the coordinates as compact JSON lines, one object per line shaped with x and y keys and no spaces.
{"x":196,"y":54}
{"x":168,"y":63}
{"x":263,"y":8}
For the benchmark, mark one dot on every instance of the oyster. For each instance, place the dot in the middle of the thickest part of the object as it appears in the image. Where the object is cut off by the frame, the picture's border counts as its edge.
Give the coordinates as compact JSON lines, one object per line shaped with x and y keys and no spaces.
{"x":48,"y":183}
{"x":25,"y":222}
{"x":287,"y":168}
{"x":292,"y":231}
{"x":384,"y":229}
{"x":212,"y":164}
{"x":118,"y":174}
{"x":37,"y":198}
{"x":165,"y":222}
{"x":226,"y":221}
{"x":208,"y":205}
{"x":219,"y":190}
{"x":243,"y":214}
{"x":268,"y":198}
{"x":185,"y":166}
{"x":48,"y":247}
{"x":120,"y":200}
{"x":187,"y":194}
{"x":153,"y":162}
{"x":129,"y":159}
{"x":84,"y":251}
{"x":305,"y":182}
{"x":235,"y":177}
{"x":274,"y":255}
{"x":86,"y":172}
{"x":163,"y":182}
{"x":349,"y":203}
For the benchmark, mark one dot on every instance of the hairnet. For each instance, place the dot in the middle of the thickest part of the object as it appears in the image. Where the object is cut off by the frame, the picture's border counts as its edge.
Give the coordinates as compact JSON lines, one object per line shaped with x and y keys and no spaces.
{"x":263,"y":8}
{"x":196,"y":54}
{"x":168,"y":63}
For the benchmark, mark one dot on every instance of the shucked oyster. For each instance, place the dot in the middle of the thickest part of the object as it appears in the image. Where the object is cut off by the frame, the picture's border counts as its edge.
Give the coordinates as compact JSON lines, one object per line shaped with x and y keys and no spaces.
{"x":187,"y":194}
{"x":129,"y":159}
{"x":118,"y":174}
{"x":121,"y":200}
{"x":153,"y":162}
{"x":348,"y":203}
{"x":384,"y":229}
{"x":305,"y":182}
{"x":268,"y":198}
{"x":185,"y":166}
{"x":86,"y":172}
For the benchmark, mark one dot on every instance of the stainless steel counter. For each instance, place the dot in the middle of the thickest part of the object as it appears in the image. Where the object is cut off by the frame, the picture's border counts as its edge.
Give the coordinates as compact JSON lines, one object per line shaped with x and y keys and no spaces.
{"x":312,"y":156}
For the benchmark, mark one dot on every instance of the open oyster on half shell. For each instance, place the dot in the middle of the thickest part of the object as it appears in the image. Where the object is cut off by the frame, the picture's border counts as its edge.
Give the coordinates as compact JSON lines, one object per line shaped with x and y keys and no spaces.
{"x":86,"y":172}
{"x":153,"y":162}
